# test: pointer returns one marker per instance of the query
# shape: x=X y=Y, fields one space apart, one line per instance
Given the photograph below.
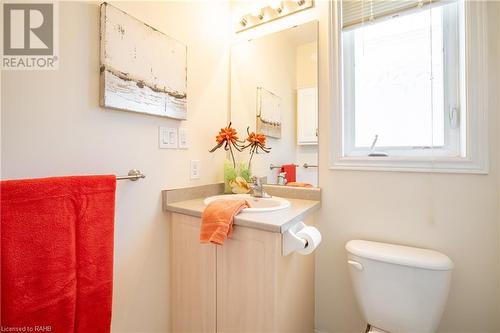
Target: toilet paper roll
x=312 y=237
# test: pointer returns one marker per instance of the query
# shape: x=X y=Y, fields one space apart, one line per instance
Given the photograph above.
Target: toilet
x=399 y=289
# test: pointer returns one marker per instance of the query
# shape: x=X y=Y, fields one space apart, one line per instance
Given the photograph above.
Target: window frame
x=474 y=150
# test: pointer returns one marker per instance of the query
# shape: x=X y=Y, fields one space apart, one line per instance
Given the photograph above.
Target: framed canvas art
x=141 y=69
x=268 y=113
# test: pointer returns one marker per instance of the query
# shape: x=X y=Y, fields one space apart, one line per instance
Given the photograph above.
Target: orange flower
x=227 y=134
x=228 y=138
x=257 y=141
x=256 y=138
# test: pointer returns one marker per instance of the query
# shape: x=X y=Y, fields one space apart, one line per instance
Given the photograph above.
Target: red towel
x=57 y=253
x=290 y=170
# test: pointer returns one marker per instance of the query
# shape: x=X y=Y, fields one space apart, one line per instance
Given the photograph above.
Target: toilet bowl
x=399 y=289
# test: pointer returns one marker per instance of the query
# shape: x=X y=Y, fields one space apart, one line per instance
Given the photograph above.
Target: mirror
x=274 y=92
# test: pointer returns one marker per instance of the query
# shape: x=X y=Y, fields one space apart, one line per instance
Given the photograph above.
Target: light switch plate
x=183 y=138
x=194 y=169
x=167 y=138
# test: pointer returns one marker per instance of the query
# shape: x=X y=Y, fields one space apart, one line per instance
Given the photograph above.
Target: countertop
x=275 y=221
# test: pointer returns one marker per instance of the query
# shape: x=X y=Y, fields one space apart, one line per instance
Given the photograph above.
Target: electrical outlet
x=167 y=138
x=194 y=169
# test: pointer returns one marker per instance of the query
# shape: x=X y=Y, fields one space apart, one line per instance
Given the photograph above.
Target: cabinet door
x=192 y=278
x=307 y=116
x=246 y=281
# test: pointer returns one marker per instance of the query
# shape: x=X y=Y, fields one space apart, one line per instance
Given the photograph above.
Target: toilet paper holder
x=292 y=242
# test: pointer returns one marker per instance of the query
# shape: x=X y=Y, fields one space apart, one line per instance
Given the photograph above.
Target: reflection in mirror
x=274 y=92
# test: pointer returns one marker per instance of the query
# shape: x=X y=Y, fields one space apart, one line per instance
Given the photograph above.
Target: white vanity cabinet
x=246 y=285
x=307 y=116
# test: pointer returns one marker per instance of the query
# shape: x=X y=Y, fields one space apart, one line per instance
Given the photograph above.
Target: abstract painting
x=268 y=113
x=142 y=69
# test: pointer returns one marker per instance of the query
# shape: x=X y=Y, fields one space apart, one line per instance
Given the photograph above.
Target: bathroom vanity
x=246 y=285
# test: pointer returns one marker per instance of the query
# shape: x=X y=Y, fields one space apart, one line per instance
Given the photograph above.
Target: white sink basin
x=256 y=204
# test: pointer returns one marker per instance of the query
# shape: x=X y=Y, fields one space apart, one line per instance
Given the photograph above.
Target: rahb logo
x=30 y=36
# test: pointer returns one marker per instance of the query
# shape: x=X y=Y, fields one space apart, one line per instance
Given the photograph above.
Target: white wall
x=52 y=125
x=307 y=65
x=455 y=214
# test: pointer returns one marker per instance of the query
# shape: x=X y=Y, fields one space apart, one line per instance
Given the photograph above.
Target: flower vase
x=236 y=179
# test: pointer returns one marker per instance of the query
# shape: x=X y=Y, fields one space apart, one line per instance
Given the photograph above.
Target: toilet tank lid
x=400 y=255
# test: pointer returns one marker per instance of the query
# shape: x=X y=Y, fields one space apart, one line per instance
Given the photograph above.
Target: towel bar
x=133 y=175
x=309 y=166
x=272 y=166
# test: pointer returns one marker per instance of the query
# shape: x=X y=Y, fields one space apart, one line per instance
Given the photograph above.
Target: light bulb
x=257 y=12
x=269 y=12
x=277 y=5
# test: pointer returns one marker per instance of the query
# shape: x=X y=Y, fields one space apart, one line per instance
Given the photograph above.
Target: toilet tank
x=398 y=288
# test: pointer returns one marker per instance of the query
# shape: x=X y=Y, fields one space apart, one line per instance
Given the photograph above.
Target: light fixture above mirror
x=271 y=12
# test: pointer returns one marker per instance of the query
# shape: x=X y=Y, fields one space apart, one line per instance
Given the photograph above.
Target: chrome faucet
x=257 y=188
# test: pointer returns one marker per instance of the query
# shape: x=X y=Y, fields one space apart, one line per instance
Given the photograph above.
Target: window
x=398 y=88
x=404 y=96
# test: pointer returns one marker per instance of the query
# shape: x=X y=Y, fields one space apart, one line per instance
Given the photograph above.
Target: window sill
x=407 y=164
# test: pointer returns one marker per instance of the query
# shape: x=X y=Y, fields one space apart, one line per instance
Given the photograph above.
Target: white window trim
x=476 y=94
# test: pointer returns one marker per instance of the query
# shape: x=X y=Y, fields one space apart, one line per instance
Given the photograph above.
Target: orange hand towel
x=298 y=184
x=217 y=220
